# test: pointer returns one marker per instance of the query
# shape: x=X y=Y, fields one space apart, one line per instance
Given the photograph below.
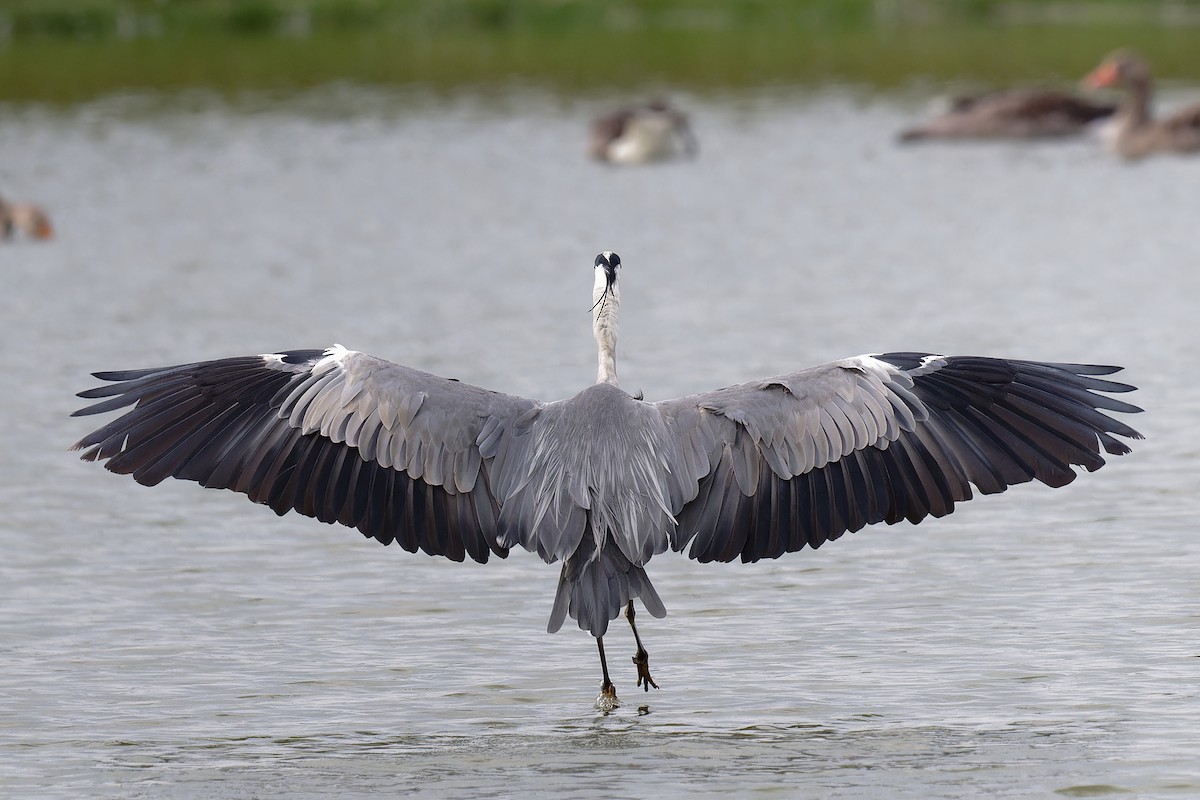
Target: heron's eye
x=599 y=260
x=615 y=261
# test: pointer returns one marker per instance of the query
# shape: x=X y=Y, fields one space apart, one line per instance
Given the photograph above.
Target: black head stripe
x=611 y=260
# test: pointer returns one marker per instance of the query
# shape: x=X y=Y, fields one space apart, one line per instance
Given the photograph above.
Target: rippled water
x=173 y=642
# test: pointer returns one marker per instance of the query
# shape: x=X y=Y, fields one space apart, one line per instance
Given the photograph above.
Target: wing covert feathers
x=801 y=459
x=603 y=481
x=334 y=434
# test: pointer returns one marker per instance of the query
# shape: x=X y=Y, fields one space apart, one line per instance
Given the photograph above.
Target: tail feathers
x=594 y=590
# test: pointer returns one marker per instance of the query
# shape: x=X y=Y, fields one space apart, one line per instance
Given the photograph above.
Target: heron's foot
x=607 y=701
x=642 y=660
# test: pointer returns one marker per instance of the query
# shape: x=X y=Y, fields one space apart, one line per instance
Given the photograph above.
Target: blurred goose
x=1135 y=132
x=641 y=134
x=1012 y=114
x=26 y=217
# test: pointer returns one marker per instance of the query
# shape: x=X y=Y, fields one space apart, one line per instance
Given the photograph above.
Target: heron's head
x=605 y=287
x=607 y=263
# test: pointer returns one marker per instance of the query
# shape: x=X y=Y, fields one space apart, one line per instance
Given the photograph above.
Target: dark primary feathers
x=603 y=481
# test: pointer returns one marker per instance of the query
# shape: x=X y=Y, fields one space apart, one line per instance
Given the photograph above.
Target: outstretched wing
x=801 y=459
x=334 y=434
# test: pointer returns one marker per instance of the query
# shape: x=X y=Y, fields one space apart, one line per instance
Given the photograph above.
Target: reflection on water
x=176 y=642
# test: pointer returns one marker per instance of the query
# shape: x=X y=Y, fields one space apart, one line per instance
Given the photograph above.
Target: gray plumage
x=603 y=481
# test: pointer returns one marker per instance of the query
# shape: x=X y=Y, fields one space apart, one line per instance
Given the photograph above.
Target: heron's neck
x=604 y=326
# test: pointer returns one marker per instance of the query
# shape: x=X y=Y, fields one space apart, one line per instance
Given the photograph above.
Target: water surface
x=174 y=642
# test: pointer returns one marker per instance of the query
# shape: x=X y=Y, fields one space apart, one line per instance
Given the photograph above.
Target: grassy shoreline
x=444 y=45
x=126 y=19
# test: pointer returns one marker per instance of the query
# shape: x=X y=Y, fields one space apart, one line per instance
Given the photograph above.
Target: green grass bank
x=64 y=51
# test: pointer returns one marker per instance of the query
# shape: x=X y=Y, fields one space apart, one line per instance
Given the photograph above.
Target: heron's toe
x=642 y=660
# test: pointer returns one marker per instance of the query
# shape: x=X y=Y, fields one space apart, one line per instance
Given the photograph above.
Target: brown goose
x=1012 y=114
x=1135 y=132
x=25 y=217
x=640 y=134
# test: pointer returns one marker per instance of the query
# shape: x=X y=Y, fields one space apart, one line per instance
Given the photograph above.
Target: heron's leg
x=608 y=692
x=641 y=658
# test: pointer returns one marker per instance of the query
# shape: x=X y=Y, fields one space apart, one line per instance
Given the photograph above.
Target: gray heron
x=1135 y=131
x=639 y=134
x=604 y=481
